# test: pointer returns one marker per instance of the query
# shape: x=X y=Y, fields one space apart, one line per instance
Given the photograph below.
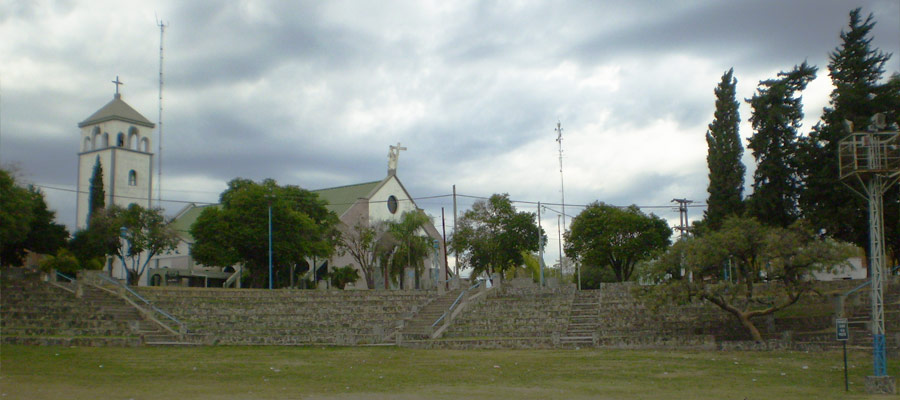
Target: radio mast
x=162 y=30
x=562 y=190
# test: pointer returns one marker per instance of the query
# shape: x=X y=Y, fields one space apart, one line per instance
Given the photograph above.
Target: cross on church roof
x=117 y=82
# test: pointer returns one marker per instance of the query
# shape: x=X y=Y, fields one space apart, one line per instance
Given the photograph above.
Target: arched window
x=87 y=143
x=105 y=141
x=133 y=138
x=95 y=139
x=120 y=140
x=145 y=145
x=132 y=178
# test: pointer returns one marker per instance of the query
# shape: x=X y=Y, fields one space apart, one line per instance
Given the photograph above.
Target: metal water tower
x=869 y=165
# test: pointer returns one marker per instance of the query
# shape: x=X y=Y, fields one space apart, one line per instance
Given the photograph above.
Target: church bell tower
x=119 y=137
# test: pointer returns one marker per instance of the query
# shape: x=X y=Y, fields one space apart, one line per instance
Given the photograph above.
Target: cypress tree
x=777 y=114
x=855 y=69
x=723 y=157
x=97 y=197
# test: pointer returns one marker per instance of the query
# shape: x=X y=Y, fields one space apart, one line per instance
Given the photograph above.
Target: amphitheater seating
x=35 y=312
x=288 y=317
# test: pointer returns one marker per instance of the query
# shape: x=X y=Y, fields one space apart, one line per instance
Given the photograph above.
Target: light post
x=269 y=197
x=123 y=233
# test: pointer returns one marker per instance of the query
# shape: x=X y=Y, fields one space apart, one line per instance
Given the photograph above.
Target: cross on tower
x=117 y=82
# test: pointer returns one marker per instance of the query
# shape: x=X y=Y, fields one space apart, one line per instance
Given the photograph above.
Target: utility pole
x=540 y=244
x=446 y=266
x=683 y=225
x=456 y=251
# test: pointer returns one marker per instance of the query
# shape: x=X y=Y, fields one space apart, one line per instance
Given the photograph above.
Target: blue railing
x=867 y=283
x=455 y=303
x=64 y=276
x=181 y=327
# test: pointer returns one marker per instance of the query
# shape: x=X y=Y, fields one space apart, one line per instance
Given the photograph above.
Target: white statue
x=393 y=155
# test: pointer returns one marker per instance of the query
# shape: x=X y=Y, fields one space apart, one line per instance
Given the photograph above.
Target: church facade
x=119 y=138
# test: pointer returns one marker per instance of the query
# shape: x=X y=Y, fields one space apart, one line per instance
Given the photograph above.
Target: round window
x=392 y=204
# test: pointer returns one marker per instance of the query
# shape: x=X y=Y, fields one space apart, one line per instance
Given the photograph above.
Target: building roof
x=185 y=218
x=118 y=110
x=341 y=198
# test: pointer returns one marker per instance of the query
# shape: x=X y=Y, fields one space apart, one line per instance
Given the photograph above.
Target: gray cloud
x=312 y=93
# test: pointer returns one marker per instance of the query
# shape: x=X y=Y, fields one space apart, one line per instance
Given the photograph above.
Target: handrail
x=452 y=306
x=866 y=283
x=147 y=302
x=66 y=277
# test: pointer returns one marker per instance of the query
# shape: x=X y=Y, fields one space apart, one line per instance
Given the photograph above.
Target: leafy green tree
x=26 y=223
x=100 y=239
x=605 y=236
x=97 y=196
x=771 y=268
x=856 y=70
x=777 y=114
x=237 y=230
x=408 y=246
x=343 y=276
x=145 y=234
x=531 y=267
x=726 y=171
x=492 y=236
x=63 y=261
x=365 y=242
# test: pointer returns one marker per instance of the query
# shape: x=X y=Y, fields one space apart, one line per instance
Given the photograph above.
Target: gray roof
x=117 y=110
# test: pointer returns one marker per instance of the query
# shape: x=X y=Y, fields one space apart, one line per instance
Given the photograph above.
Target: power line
x=439 y=196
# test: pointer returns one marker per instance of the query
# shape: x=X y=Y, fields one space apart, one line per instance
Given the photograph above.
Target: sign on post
x=843 y=331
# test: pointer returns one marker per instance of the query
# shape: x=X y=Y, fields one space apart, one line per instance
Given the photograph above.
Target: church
x=119 y=138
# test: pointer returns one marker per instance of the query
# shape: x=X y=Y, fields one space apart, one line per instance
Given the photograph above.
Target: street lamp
x=123 y=233
x=269 y=197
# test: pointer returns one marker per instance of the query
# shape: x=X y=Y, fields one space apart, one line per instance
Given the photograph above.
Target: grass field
x=388 y=373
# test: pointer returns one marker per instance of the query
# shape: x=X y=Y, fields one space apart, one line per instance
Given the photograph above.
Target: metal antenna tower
x=162 y=30
x=562 y=191
x=872 y=160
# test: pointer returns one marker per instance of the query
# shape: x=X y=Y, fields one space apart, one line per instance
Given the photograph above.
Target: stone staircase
x=420 y=326
x=510 y=317
x=584 y=319
x=36 y=312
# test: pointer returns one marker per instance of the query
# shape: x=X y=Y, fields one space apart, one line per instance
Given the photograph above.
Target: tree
x=408 y=247
x=145 y=234
x=606 y=236
x=777 y=114
x=856 y=70
x=236 y=231
x=492 y=236
x=771 y=268
x=723 y=157
x=343 y=276
x=63 y=261
x=97 y=196
x=365 y=243
x=26 y=223
x=100 y=239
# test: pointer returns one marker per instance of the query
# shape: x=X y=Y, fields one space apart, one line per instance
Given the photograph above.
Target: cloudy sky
x=313 y=93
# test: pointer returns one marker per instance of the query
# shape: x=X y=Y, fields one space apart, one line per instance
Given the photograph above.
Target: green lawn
x=387 y=372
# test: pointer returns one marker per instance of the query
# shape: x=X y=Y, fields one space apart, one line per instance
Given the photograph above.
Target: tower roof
x=118 y=110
